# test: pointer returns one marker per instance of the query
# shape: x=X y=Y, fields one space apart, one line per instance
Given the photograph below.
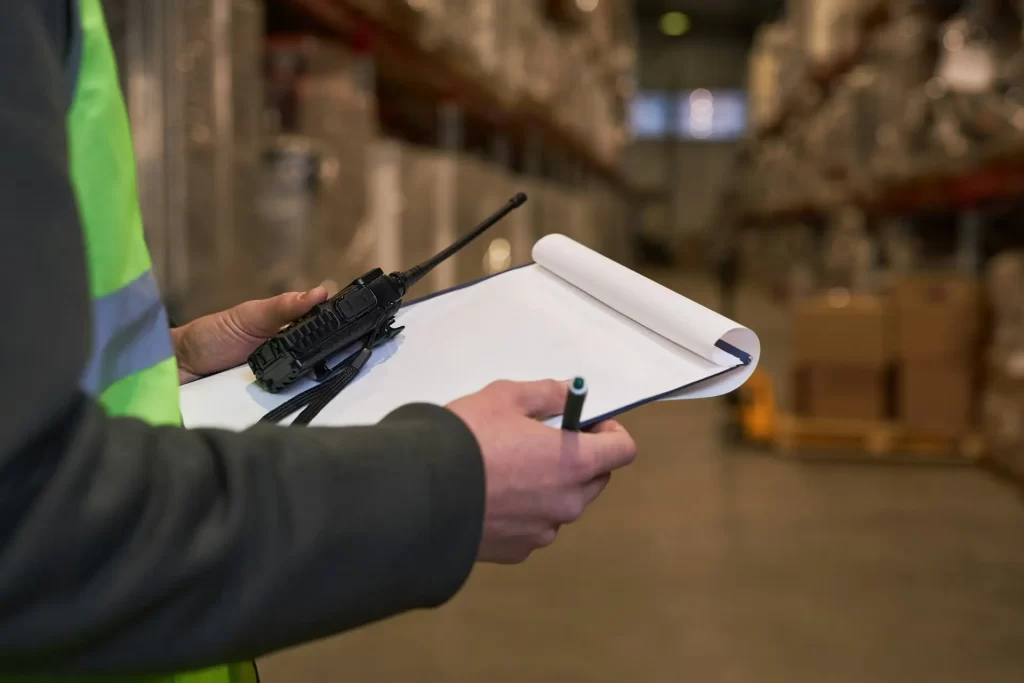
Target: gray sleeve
x=126 y=547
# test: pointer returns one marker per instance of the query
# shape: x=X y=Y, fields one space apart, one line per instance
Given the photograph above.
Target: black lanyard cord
x=314 y=400
x=309 y=395
x=331 y=388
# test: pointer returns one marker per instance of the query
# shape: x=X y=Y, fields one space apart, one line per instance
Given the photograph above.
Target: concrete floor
x=706 y=564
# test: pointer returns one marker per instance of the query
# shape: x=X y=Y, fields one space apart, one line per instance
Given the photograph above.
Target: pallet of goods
x=318 y=92
x=194 y=91
x=891 y=374
x=871 y=440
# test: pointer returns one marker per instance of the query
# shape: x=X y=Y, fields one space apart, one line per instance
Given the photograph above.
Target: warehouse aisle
x=731 y=567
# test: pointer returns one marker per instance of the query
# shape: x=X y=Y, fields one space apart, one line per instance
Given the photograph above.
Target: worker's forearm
x=127 y=547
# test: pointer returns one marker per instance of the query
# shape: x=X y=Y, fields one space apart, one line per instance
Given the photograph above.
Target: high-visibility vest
x=132 y=369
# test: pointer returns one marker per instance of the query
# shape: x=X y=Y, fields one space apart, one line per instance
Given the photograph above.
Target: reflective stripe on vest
x=129 y=334
x=132 y=370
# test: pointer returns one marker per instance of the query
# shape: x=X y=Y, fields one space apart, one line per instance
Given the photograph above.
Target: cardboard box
x=937 y=399
x=840 y=328
x=939 y=317
x=848 y=392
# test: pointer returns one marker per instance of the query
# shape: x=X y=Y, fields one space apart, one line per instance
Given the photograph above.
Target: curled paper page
x=654 y=306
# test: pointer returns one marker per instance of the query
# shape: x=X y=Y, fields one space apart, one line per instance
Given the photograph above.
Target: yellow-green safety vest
x=132 y=369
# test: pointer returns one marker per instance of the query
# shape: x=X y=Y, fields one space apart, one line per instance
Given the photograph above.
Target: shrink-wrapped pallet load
x=194 y=90
x=774 y=68
x=317 y=89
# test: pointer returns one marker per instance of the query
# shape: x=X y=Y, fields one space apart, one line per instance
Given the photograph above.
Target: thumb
x=285 y=308
x=265 y=318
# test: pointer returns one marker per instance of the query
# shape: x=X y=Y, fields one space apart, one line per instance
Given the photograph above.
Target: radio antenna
x=410 y=277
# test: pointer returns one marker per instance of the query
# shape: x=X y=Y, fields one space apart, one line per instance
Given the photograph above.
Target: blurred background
x=845 y=177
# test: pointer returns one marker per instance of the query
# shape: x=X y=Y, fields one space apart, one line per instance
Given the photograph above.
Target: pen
x=574 y=405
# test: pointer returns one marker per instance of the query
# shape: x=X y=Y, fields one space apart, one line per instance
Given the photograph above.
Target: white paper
x=654 y=306
x=525 y=324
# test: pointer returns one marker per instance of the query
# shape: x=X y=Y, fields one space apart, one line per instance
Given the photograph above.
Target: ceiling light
x=674 y=23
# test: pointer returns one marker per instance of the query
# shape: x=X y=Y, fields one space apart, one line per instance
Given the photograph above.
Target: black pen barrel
x=574 y=401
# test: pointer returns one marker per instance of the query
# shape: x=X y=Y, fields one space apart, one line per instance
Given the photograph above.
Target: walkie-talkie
x=364 y=311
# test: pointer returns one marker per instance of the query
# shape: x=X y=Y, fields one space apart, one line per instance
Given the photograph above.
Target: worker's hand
x=538 y=477
x=224 y=340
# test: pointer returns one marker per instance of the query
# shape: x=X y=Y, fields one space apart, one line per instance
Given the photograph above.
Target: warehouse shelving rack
x=432 y=94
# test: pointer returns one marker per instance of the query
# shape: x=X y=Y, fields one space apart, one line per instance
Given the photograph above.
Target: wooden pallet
x=870 y=440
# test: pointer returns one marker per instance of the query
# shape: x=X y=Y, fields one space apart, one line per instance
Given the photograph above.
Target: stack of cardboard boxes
x=938 y=319
x=909 y=357
x=843 y=352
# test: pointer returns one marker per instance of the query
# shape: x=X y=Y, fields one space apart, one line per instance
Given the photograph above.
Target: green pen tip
x=577 y=383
